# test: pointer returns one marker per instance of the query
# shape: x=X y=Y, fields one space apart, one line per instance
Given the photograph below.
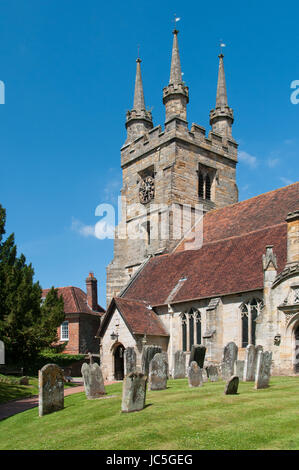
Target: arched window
x=249 y=314
x=198 y=327
x=184 y=331
x=200 y=185
x=191 y=329
x=208 y=187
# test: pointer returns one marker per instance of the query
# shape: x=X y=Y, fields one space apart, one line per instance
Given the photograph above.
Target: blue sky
x=69 y=69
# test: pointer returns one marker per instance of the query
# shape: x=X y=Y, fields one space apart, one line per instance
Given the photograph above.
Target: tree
x=26 y=325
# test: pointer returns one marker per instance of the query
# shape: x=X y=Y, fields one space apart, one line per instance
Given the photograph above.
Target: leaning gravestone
x=158 y=372
x=93 y=380
x=148 y=353
x=134 y=392
x=249 y=363
x=198 y=352
x=230 y=355
x=194 y=375
x=263 y=369
x=212 y=372
x=2 y=353
x=51 y=389
x=129 y=360
x=231 y=387
x=179 y=367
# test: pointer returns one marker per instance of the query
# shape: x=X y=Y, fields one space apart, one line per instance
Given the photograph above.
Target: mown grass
x=12 y=391
x=177 y=418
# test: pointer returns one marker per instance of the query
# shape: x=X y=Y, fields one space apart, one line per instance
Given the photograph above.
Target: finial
x=222 y=45
x=138 y=53
x=176 y=19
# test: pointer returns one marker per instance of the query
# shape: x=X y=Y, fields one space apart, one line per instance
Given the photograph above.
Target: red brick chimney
x=92 y=291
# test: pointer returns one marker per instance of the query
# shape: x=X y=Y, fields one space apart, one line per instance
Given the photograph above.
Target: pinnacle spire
x=175 y=69
x=221 y=97
x=222 y=117
x=139 y=104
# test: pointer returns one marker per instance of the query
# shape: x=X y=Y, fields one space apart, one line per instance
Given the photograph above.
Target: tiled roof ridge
x=75 y=298
x=251 y=198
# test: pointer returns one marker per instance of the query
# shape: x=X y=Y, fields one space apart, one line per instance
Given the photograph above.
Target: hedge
x=62 y=360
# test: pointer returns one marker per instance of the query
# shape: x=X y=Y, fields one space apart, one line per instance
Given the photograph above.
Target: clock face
x=147 y=190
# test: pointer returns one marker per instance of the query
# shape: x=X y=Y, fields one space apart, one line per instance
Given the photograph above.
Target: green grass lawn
x=12 y=391
x=177 y=418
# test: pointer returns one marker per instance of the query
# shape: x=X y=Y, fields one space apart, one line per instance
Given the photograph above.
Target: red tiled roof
x=75 y=300
x=248 y=216
x=230 y=260
x=220 y=268
x=137 y=315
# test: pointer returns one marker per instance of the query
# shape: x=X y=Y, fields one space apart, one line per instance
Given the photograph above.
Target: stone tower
x=165 y=170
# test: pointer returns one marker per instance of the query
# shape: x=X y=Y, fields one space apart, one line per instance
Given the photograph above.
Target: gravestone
x=148 y=353
x=204 y=374
x=239 y=369
x=194 y=375
x=134 y=392
x=249 y=371
x=51 y=389
x=158 y=372
x=179 y=365
x=257 y=349
x=129 y=360
x=93 y=380
x=263 y=369
x=198 y=352
x=212 y=372
x=231 y=387
x=2 y=353
x=230 y=355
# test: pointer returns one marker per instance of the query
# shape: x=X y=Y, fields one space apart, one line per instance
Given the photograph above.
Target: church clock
x=147 y=190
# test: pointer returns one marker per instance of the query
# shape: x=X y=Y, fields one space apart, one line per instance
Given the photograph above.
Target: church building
x=234 y=276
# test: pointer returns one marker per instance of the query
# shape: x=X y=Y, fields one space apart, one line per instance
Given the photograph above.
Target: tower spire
x=139 y=104
x=175 y=68
x=222 y=117
x=138 y=120
x=176 y=93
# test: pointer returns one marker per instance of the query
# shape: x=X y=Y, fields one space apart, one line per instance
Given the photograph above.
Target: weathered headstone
x=231 y=387
x=249 y=371
x=212 y=372
x=257 y=350
x=130 y=360
x=134 y=392
x=198 y=352
x=263 y=369
x=158 y=372
x=93 y=380
x=230 y=355
x=179 y=365
x=239 y=369
x=148 y=353
x=194 y=375
x=2 y=353
x=225 y=371
x=51 y=389
x=204 y=374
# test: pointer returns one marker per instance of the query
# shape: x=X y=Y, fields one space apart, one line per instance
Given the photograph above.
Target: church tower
x=166 y=170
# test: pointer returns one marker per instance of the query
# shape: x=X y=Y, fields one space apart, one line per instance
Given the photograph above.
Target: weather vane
x=176 y=19
x=222 y=45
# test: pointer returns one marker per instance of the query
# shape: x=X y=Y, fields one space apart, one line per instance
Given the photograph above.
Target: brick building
x=82 y=318
x=239 y=283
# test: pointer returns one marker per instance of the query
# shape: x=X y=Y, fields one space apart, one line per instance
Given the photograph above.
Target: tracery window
x=191 y=328
x=205 y=180
x=249 y=314
x=184 y=331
